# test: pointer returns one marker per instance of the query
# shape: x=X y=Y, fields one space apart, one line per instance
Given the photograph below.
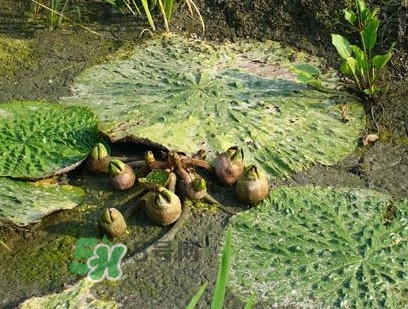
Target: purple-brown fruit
x=163 y=207
x=252 y=187
x=195 y=186
x=98 y=160
x=229 y=165
x=112 y=222
x=121 y=175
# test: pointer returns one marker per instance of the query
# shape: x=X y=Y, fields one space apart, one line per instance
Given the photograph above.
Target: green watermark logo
x=98 y=260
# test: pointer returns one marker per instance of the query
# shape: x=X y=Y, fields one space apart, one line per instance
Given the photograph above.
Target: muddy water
x=55 y=59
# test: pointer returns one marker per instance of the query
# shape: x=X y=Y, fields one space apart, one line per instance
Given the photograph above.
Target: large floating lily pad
x=323 y=248
x=23 y=202
x=76 y=296
x=39 y=139
x=188 y=95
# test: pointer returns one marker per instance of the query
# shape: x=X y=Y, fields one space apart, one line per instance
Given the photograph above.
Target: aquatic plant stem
x=209 y=199
x=137 y=191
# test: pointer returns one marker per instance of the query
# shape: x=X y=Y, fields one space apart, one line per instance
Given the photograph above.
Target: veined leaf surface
x=76 y=296
x=24 y=202
x=188 y=95
x=323 y=248
x=38 y=139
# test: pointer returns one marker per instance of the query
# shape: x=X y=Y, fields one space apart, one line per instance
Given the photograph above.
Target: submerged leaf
x=39 y=139
x=79 y=295
x=23 y=202
x=306 y=69
x=322 y=248
x=187 y=95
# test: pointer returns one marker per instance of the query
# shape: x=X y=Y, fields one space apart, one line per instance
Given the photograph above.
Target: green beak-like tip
x=116 y=167
x=251 y=172
x=163 y=197
x=99 y=152
x=235 y=153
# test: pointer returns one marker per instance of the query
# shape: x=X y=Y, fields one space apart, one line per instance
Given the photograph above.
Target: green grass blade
x=222 y=278
x=168 y=8
x=251 y=302
x=197 y=296
x=163 y=12
x=148 y=14
x=2 y=243
x=191 y=5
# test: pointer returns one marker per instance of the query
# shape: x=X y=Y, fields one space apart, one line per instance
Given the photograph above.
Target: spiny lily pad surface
x=39 y=139
x=187 y=94
x=23 y=202
x=323 y=248
x=76 y=296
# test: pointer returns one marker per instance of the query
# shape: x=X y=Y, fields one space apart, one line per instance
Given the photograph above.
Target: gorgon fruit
x=252 y=187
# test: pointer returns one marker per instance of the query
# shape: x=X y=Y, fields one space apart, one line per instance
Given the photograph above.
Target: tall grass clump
x=146 y=8
x=55 y=10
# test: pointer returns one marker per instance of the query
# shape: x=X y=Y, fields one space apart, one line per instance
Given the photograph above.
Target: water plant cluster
x=159 y=178
x=326 y=247
x=214 y=97
x=358 y=61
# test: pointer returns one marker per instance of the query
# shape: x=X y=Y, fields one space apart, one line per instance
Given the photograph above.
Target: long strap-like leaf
x=222 y=278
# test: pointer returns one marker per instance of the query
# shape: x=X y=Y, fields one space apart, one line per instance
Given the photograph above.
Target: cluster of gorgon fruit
x=161 y=177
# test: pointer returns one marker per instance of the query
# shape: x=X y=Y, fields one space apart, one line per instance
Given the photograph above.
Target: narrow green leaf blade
x=223 y=270
x=251 y=302
x=168 y=8
x=194 y=300
x=2 y=243
x=148 y=14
